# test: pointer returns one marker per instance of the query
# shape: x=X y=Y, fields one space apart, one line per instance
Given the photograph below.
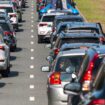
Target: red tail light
x=98 y=102
x=56 y=51
x=7 y=33
x=2 y=48
x=53 y=29
x=101 y=39
x=44 y=24
x=54 y=79
x=88 y=73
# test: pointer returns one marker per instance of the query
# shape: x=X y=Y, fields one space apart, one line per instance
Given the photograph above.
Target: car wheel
x=6 y=72
x=39 y=39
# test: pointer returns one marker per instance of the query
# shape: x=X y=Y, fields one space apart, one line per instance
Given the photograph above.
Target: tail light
x=7 y=33
x=44 y=24
x=56 y=51
x=101 y=39
x=88 y=75
x=54 y=78
x=97 y=102
x=2 y=48
x=53 y=29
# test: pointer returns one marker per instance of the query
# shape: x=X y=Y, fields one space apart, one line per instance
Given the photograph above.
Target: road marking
x=32 y=42
x=32 y=25
x=32 y=86
x=32 y=21
x=31 y=98
x=31 y=66
x=32 y=17
x=32 y=58
x=32 y=50
x=32 y=36
x=31 y=76
x=32 y=30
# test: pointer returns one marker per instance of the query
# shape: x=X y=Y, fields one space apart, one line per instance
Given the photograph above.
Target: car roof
x=69 y=16
x=79 y=24
x=72 y=52
x=49 y=14
x=76 y=35
x=77 y=45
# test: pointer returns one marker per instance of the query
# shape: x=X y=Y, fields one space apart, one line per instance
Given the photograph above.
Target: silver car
x=66 y=63
x=4 y=57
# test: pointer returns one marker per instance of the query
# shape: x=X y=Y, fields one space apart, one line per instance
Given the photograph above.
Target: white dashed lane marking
x=31 y=98
x=32 y=50
x=32 y=58
x=31 y=86
x=31 y=42
x=31 y=66
x=31 y=76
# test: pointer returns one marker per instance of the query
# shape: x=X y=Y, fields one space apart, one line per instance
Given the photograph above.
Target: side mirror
x=48 y=46
x=72 y=88
x=49 y=58
x=45 y=69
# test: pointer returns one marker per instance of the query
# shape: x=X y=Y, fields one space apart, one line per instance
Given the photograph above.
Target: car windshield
x=67 y=63
x=5 y=26
x=48 y=18
x=8 y=9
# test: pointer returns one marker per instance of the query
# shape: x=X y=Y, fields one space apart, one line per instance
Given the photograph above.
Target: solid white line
x=31 y=76
x=31 y=98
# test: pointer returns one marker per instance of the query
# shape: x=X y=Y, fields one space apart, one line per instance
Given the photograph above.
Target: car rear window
x=8 y=9
x=69 y=20
x=48 y=18
x=77 y=40
x=67 y=63
x=5 y=26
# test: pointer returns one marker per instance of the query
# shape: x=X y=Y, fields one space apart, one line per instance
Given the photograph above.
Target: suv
x=70 y=38
x=45 y=26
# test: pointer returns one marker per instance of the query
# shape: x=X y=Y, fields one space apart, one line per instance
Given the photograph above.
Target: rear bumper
x=56 y=96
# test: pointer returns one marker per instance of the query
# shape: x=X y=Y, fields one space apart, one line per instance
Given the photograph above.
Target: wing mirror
x=45 y=69
x=72 y=88
x=49 y=59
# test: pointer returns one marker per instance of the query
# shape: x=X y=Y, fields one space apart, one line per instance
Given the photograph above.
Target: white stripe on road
x=32 y=58
x=32 y=50
x=31 y=76
x=31 y=66
x=31 y=86
x=31 y=98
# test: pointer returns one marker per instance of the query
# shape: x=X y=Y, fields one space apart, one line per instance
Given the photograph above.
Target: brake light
x=88 y=75
x=53 y=29
x=101 y=39
x=7 y=33
x=44 y=24
x=56 y=51
x=98 y=102
x=54 y=78
x=2 y=48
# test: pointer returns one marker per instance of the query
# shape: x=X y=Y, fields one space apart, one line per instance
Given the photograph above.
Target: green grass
x=93 y=10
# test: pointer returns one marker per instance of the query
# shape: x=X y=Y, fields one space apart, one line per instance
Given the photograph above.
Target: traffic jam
x=76 y=61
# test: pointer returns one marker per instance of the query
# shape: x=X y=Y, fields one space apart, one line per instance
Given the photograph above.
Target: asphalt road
x=26 y=84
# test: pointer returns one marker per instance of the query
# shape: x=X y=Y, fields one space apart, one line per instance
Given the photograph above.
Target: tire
x=6 y=73
x=39 y=39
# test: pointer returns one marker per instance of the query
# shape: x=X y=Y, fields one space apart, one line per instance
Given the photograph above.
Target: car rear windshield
x=77 y=40
x=67 y=63
x=69 y=20
x=8 y=9
x=48 y=18
x=5 y=26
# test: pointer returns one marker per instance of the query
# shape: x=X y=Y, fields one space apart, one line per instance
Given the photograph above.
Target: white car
x=4 y=56
x=11 y=13
x=45 y=26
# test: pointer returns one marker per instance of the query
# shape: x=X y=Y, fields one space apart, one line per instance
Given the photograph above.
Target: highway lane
x=26 y=84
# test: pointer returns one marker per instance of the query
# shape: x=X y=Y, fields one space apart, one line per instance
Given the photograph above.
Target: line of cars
x=76 y=59
x=10 y=16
